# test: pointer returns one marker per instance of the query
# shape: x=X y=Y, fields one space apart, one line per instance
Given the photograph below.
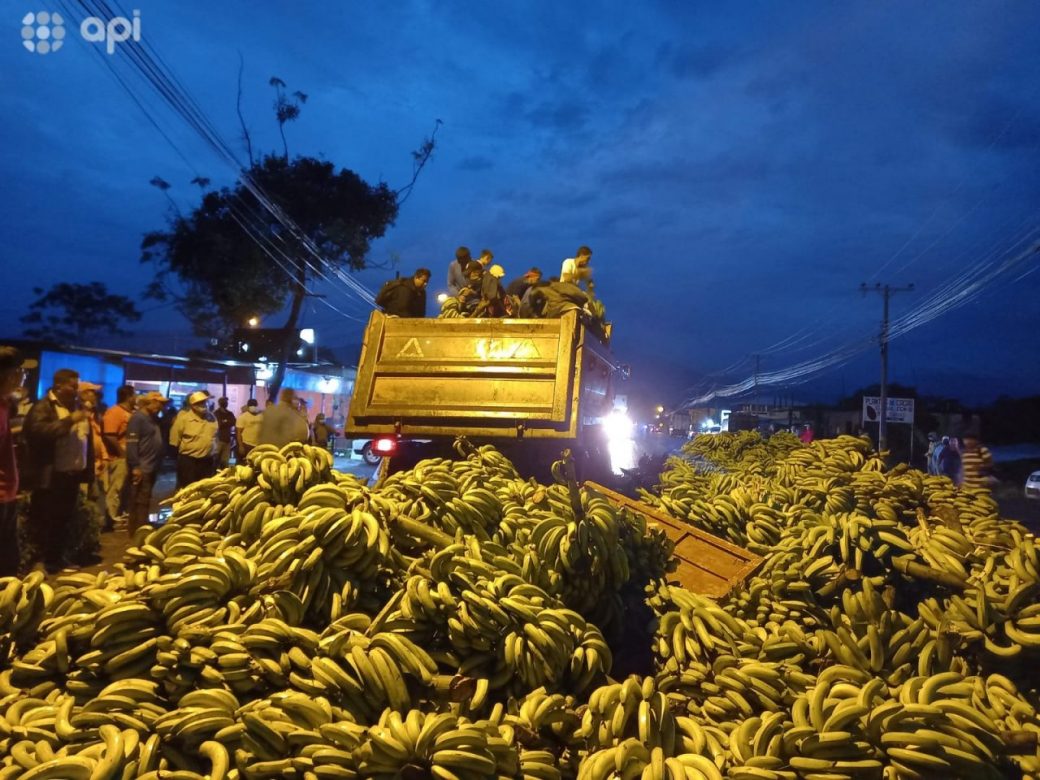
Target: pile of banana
x=291 y=621
x=456 y=621
x=893 y=623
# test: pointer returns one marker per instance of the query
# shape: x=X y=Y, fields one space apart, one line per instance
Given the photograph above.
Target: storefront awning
x=152 y=372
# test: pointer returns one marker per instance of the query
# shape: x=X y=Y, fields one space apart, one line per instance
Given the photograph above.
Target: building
x=325 y=388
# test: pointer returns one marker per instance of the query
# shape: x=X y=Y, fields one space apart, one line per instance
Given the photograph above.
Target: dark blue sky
x=738 y=170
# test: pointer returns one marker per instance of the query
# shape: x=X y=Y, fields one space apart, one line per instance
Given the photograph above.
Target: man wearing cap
x=12 y=375
x=225 y=432
x=113 y=427
x=492 y=296
x=59 y=459
x=194 y=435
x=519 y=286
x=144 y=454
x=405 y=297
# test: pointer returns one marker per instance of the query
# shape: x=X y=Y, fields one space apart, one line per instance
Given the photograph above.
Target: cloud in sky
x=738 y=170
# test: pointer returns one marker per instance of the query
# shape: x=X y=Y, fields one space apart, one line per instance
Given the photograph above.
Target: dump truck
x=531 y=387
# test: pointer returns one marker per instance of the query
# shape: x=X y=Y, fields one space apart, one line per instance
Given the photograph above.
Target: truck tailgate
x=478 y=377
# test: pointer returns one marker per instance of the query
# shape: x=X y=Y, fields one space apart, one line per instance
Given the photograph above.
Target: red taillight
x=384 y=446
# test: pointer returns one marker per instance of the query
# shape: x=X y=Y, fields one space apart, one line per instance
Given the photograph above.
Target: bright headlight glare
x=618 y=426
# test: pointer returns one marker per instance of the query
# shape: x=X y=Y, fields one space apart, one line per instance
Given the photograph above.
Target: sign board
x=900 y=410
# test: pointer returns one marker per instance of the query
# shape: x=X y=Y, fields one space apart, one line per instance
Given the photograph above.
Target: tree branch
x=238 y=108
x=419 y=159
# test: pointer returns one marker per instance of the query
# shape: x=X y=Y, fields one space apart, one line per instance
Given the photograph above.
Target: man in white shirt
x=576 y=269
x=247 y=428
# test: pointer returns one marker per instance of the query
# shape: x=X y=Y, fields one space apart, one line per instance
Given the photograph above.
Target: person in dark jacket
x=144 y=455
x=562 y=297
x=60 y=459
x=493 y=301
x=405 y=297
x=519 y=286
x=12 y=374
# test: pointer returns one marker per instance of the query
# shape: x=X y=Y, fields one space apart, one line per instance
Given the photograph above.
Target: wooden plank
x=706 y=563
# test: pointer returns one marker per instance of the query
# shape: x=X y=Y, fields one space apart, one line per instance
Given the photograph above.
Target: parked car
x=1033 y=485
x=363 y=447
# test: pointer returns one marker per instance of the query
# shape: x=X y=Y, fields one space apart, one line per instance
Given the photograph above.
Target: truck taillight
x=384 y=447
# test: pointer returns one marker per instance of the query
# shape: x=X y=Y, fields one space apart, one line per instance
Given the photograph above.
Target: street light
x=442 y=297
x=253 y=322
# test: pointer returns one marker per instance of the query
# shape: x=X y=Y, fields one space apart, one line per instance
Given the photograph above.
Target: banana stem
x=456 y=687
x=922 y=572
x=426 y=533
x=1019 y=742
x=572 y=486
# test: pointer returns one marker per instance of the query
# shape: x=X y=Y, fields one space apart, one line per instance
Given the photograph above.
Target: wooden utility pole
x=886 y=291
x=755 y=408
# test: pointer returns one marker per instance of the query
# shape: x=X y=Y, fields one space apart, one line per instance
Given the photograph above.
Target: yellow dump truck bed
x=484 y=378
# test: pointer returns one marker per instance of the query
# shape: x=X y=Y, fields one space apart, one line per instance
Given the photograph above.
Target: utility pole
x=887 y=291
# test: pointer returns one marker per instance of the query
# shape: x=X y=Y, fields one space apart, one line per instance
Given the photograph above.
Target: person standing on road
x=194 y=434
x=457 y=271
x=282 y=423
x=58 y=462
x=931 y=455
x=976 y=463
x=144 y=455
x=247 y=428
x=113 y=426
x=948 y=461
x=94 y=490
x=323 y=433
x=806 y=436
x=225 y=432
x=12 y=375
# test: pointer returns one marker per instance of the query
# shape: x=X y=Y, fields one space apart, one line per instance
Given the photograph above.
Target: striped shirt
x=976 y=465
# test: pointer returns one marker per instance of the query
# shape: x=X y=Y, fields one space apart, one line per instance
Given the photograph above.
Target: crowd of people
x=475 y=288
x=71 y=456
x=965 y=460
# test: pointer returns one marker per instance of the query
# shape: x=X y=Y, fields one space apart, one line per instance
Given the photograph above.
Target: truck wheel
x=370 y=457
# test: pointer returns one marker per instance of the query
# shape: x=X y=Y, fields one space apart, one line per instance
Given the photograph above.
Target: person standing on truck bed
x=493 y=300
x=486 y=256
x=576 y=269
x=457 y=271
x=470 y=294
x=519 y=286
x=405 y=297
